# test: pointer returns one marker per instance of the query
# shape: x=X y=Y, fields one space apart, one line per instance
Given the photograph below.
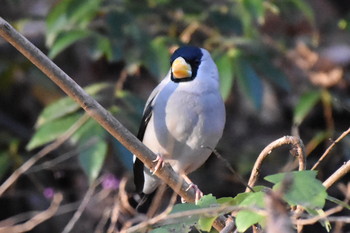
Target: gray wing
x=138 y=168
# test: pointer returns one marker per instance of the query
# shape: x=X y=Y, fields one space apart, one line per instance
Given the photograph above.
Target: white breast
x=184 y=124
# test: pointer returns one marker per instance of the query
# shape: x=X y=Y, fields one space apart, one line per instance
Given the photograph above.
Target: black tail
x=145 y=202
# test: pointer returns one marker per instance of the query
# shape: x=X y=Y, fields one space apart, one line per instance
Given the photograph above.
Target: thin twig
x=114 y=216
x=81 y=208
x=123 y=197
x=101 y=224
x=228 y=166
x=312 y=220
x=30 y=162
x=342 y=171
x=120 y=203
x=343 y=219
x=157 y=200
x=229 y=225
x=295 y=141
x=343 y=135
x=37 y=219
x=155 y=219
x=61 y=158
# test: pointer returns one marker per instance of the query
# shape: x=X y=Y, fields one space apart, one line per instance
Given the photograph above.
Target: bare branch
x=37 y=219
x=295 y=141
x=342 y=219
x=81 y=208
x=342 y=171
x=278 y=219
x=312 y=220
x=230 y=225
x=30 y=162
x=343 y=135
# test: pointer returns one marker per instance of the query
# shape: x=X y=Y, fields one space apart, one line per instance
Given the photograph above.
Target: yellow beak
x=181 y=69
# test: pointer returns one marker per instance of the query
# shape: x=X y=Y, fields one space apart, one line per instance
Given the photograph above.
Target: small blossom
x=49 y=192
x=109 y=181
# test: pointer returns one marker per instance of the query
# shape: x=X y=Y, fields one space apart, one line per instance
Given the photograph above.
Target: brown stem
x=295 y=141
x=342 y=171
x=343 y=135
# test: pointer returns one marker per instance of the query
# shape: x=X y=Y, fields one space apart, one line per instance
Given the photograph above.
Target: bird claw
x=198 y=193
x=160 y=163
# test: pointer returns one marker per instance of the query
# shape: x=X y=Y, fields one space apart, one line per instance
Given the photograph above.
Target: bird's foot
x=198 y=193
x=160 y=163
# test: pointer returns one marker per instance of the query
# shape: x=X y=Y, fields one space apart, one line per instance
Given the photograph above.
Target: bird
x=183 y=119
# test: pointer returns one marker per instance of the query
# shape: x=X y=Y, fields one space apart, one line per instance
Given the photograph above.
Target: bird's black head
x=184 y=63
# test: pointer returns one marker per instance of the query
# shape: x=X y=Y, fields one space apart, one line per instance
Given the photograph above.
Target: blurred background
x=284 y=64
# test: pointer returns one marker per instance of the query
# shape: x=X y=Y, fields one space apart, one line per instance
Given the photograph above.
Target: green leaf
x=306 y=9
x=305 y=190
x=224 y=64
x=256 y=9
x=205 y=223
x=52 y=130
x=226 y=201
x=56 y=110
x=66 y=105
x=239 y=198
x=324 y=222
x=249 y=81
x=56 y=21
x=65 y=39
x=178 y=228
x=306 y=103
x=184 y=207
x=187 y=222
x=272 y=73
x=92 y=158
x=87 y=131
x=247 y=218
x=338 y=202
x=4 y=163
x=160 y=230
x=102 y=46
x=207 y=201
x=68 y=15
x=92 y=147
x=157 y=61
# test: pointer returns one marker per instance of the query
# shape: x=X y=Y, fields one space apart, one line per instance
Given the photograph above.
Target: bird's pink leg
x=160 y=163
x=198 y=192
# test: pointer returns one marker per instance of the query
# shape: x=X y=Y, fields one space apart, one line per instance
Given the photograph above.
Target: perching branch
x=96 y=111
x=297 y=144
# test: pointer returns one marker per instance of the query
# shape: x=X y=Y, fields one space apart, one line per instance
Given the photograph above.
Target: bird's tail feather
x=145 y=202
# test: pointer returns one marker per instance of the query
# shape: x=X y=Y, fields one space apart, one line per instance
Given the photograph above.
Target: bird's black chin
x=180 y=80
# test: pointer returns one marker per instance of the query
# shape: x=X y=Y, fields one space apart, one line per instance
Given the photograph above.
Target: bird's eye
x=197 y=62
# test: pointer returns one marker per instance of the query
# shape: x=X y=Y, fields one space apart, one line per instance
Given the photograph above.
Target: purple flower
x=109 y=181
x=49 y=192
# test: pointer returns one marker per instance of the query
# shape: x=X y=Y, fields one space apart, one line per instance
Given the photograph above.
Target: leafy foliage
x=305 y=190
x=306 y=103
x=90 y=138
x=142 y=32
